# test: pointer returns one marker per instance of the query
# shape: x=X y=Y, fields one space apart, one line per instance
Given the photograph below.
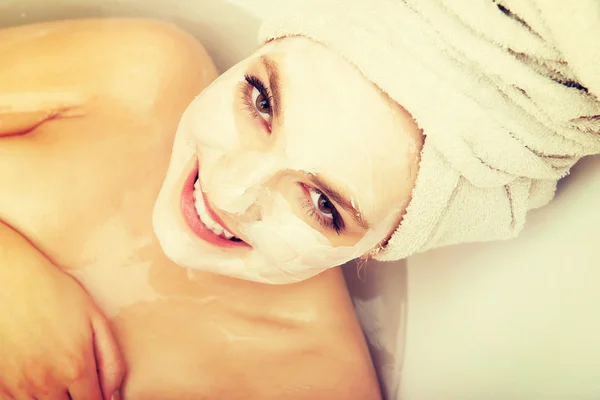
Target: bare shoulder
x=338 y=365
x=350 y=371
x=348 y=381
x=130 y=61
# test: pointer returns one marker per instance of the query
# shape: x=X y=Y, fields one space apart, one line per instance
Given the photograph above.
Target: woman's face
x=288 y=164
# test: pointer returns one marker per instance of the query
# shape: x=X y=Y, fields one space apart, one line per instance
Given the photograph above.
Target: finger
x=56 y=395
x=4 y=392
x=19 y=396
x=109 y=361
x=87 y=386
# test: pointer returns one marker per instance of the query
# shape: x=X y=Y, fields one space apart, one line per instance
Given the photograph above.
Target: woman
x=90 y=109
x=506 y=104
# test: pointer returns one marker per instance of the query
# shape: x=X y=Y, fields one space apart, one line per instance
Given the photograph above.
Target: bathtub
x=511 y=320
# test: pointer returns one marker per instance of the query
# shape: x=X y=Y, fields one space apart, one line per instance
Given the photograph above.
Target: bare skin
x=83 y=153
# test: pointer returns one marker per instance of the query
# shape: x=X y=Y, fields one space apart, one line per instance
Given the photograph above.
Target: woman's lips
x=193 y=220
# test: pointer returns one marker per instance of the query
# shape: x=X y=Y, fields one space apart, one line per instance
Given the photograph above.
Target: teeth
x=205 y=217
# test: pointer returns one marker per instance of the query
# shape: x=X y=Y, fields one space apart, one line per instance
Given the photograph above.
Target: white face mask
x=261 y=172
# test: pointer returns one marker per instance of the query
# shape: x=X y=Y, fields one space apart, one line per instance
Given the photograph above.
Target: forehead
x=338 y=124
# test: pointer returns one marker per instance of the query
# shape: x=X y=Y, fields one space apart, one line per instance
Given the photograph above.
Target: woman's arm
x=54 y=342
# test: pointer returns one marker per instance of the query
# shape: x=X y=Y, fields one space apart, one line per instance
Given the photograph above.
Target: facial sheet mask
x=249 y=176
x=285 y=248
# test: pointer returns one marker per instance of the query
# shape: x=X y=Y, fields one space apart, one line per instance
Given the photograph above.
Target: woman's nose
x=240 y=179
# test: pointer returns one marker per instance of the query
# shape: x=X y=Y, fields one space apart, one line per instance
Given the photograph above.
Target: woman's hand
x=54 y=341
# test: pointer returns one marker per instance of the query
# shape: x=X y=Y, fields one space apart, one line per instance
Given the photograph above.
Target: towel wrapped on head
x=506 y=93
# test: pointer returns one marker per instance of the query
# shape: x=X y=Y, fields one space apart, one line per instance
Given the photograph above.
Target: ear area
x=21 y=113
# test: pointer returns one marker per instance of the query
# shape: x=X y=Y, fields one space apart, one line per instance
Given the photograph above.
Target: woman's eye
x=261 y=104
x=322 y=204
x=318 y=207
x=257 y=99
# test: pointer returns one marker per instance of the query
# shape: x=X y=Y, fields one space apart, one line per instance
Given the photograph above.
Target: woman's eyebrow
x=273 y=74
x=337 y=197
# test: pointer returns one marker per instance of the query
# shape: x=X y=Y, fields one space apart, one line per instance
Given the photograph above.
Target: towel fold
x=506 y=93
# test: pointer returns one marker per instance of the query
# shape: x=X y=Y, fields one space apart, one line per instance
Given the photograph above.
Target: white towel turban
x=505 y=92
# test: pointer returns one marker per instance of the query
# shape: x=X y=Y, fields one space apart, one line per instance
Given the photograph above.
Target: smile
x=200 y=216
